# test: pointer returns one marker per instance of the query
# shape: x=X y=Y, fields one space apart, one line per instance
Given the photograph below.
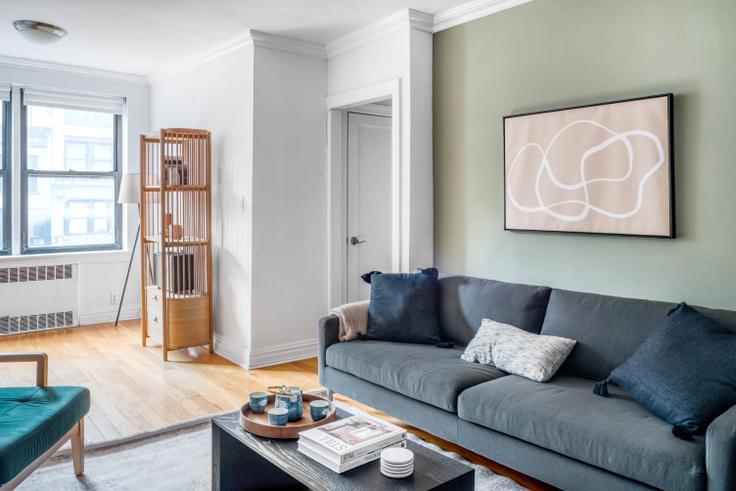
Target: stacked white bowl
x=397 y=462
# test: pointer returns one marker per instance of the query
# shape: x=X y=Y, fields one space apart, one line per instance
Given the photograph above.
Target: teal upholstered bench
x=36 y=421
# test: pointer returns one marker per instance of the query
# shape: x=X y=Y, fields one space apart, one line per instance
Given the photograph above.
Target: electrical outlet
x=242 y=203
x=113 y=299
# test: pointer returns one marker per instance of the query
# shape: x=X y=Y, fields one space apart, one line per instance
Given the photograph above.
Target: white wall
x=265 y=108
x=420 y=250
x=216 y=93
x=289 y=196
x=100 y=273
x=399 y=47
x=264 y=99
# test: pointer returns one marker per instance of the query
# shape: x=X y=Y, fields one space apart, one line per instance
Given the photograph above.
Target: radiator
x=37 y=298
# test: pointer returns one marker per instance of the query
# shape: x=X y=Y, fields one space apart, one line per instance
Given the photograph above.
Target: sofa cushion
x=32 y=419
x=403 y=307
x=432 y=375
x=563 y=415
x=465 y=301
x=684 y=372
x=608 y=329
x=533 y=356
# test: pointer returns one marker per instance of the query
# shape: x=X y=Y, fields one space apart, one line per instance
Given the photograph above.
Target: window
x=70 y=169
x=87 y=155
x=5 y=177
x=92 y=217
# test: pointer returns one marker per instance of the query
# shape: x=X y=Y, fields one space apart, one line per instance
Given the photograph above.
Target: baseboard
x=98 y=316
x=282 y=353
x=264 y=357
x=231 y=350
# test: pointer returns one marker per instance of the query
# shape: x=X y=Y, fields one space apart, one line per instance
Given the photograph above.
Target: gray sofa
x=558 y=432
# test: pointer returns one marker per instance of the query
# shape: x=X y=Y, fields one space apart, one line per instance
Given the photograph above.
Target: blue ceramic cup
x=258 y=402
x=278 y=416
x=318 y=409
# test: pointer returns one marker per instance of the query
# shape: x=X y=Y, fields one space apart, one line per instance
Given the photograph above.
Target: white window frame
x=19 y=174
x=6 y=171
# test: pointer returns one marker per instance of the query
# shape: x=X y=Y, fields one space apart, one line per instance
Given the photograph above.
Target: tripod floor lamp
x=130 y=193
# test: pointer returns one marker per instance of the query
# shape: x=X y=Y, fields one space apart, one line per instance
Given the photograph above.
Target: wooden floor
x=134 y=391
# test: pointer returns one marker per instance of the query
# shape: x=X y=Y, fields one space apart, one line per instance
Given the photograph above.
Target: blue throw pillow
x=684 y=372
x=403 y=307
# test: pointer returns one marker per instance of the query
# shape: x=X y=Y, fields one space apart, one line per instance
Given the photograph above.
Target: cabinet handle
x=155 y=318
x=155 y=297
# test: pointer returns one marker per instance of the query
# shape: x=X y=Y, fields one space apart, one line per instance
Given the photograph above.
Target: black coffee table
x=243 y=461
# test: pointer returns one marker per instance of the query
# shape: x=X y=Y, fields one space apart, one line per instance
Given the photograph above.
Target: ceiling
x=143 y=36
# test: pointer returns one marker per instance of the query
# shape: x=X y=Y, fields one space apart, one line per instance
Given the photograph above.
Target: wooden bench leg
x=78 y=448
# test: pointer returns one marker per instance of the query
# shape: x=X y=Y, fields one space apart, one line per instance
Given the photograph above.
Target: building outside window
x=71 y=163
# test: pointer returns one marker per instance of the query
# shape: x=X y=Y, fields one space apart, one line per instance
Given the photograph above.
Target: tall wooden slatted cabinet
x=176 y=255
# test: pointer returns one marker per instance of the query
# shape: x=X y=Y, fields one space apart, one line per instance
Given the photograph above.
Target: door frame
x=337 y=241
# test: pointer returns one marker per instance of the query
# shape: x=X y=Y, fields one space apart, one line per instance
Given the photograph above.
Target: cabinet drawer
x=153 y=298
x=154 y=313
x=155 y=330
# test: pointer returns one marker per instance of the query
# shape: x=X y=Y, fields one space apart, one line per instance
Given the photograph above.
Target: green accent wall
x=555 y=53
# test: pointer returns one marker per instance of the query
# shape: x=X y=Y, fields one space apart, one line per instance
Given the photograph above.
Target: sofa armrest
x=41 y=360
x=720 y=452
x=329 y=329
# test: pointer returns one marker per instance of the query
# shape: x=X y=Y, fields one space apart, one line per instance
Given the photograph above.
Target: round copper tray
x=258 y=423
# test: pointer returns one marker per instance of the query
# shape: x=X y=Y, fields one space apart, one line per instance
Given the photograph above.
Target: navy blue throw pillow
x=403 y=307
x=684 y=372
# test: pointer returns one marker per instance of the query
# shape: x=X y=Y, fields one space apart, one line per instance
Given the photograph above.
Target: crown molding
x=242 y=40
x=471 y=11
x=247 y=38
x=290 y=45
x=421 y=20
x=408 y=18
x=75 y=70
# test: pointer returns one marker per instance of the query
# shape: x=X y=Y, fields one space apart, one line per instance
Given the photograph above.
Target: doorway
x=376 y=116
x=368 y=195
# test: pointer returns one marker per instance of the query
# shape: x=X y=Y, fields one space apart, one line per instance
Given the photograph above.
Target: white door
x=369 y=200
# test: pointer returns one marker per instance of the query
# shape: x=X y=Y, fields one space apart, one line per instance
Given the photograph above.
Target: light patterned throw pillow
x=518 y=352
x=479 y=348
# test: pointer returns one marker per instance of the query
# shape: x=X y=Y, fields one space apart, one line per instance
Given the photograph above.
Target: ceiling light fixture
x=39 y=32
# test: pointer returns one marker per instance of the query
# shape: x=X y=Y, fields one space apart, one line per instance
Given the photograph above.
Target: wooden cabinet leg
x=78 y=448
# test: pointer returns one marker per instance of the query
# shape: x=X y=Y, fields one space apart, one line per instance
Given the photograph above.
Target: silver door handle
x=356 y=241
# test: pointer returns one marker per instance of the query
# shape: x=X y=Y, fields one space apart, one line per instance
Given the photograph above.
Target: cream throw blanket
x=353 y=319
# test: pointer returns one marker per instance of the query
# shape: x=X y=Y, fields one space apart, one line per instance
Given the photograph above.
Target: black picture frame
x=671 y=146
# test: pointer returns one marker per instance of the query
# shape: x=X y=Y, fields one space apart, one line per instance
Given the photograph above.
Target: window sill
x=114 y=256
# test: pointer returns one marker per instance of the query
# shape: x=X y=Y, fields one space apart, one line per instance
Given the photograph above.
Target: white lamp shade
x=130 y=189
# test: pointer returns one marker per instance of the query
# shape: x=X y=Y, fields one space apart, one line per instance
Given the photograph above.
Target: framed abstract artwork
x=599 y=169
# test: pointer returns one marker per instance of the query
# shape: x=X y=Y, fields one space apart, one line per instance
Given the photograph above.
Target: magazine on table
x=353 y=437
x=317 y=455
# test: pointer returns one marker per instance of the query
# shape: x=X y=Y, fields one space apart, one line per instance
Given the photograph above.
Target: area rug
x=176 y=458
